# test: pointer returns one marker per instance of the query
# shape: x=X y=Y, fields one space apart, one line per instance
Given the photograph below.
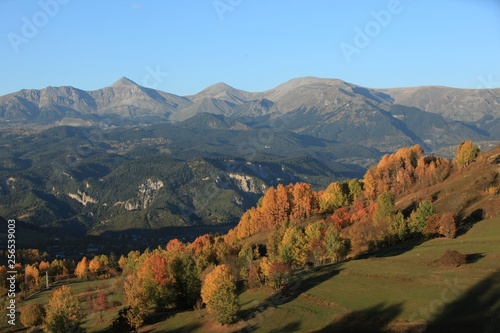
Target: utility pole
x=46 y=279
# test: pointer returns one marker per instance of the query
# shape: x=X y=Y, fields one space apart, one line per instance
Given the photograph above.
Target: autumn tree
x=122 y=262
x=175 y=246
x=432 y=225
x=32 y=277
x=94 y=266
x=219 y=294
x=314 y=237
x=447 y=225
x=82 y=269
x=361 y=235
x=44 y=266
x=100 y=304
x=275 y=272
x=305 y=201
x=137 y=300
x=32 y=315
x=466 y=154
x=156 y=275
x=64 y=312
x=56 y=267
x=132 y=262
x=203 y=251
x=254 y=276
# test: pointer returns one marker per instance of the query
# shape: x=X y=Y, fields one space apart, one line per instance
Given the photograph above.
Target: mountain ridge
x=327 y=108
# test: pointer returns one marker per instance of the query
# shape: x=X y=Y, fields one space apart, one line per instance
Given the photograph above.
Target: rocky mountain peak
x=123 y=81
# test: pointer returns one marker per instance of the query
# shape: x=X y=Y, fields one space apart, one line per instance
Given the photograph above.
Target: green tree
x=335 y=247
x=64 y=312
x=187 y=281
x=219 y=294
x=245 y=256
x=466 y=154
x=292 y=250
x=418 y=218
x=336 y=195
x=355 y=189
x=397 y=229
x=315 y=241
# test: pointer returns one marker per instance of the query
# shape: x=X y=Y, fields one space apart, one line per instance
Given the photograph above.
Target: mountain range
x=130 y=157
x=386 y=119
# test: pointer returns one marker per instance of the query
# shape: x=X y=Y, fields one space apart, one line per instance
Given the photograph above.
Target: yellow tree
x=64 y=312
x=137 y=299
x=32 y=277
x=82 y=268
x=336 y=195
x=94 y=265
x=466 y=154
x=293 y=250
x=219 y=294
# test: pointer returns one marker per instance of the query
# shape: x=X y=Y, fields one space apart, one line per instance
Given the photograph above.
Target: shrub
x=452 y=258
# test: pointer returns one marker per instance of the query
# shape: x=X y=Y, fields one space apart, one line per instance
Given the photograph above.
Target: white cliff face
x=247 y=183
x=146 y=194
x=82 y=197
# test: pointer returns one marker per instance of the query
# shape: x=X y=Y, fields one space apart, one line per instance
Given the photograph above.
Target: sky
x=183 y=46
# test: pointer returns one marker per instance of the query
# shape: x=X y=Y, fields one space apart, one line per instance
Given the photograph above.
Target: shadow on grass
x=392 y=251
x=476 y=310
x=298 y=284
x=188 y=328
x=474 y=257
x=374 y=319
x=467 y=222
x=291 y=327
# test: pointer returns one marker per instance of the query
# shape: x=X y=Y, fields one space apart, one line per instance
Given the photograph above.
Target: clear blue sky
x=249 y=44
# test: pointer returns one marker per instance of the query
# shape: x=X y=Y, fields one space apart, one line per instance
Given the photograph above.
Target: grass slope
x=400 y=289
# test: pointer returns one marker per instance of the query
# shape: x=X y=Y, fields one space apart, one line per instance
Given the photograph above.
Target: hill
x=397 y=290
x=177 y=175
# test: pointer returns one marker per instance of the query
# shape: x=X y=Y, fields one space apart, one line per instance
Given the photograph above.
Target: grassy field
x=92 y=321
x=400 y=289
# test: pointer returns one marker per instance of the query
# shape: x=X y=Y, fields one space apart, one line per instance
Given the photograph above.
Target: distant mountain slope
x=469 y=105
x=204 y=171
x=435 y=117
